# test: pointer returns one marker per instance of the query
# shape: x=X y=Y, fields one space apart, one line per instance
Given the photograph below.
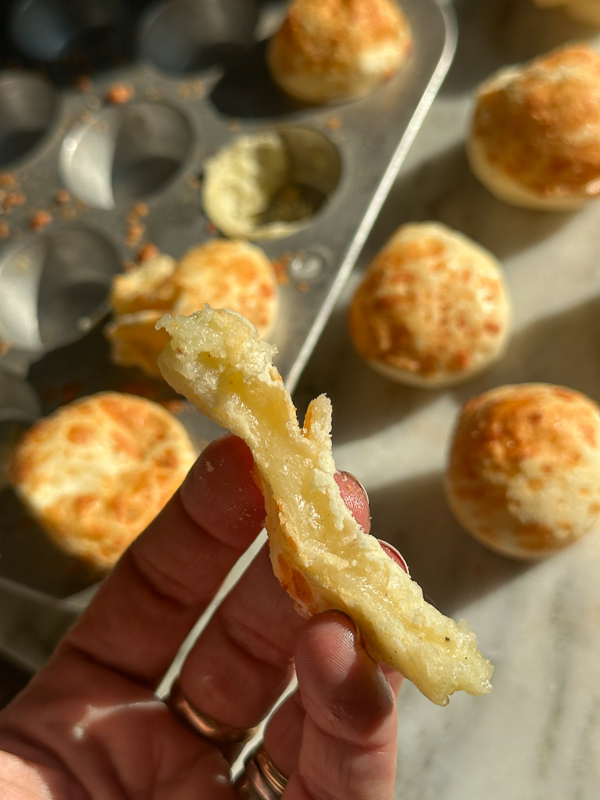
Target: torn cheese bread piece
x=319 y=552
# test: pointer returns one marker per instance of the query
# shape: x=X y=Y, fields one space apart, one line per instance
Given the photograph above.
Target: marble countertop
x=537 y=735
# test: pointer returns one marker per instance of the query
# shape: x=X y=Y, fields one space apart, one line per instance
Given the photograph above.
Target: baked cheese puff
x=222 y=273
x=523 y=475
x=328 y=51
x=432 y=309
x=535 y=134
x=97 y=471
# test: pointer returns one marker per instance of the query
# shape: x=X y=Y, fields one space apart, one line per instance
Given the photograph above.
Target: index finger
x=167 y=578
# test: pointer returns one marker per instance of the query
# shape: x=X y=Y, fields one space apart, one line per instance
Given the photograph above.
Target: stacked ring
x=223 y=735
x=261 y=778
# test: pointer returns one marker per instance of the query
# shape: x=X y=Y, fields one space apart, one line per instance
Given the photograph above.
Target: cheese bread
x=535 y=133
x=432 y=309
x=327 y=51
x=524 y=470
x=222 y=273
x=97 y=471
x=318 y=551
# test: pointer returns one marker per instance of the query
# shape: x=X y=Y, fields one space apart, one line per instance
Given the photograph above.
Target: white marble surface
x=537 y=735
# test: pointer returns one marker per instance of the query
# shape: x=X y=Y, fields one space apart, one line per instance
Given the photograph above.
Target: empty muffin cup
x=270 y=184
x=182 y=36
x=54 y=288
x=54 y=30
x=125 y=153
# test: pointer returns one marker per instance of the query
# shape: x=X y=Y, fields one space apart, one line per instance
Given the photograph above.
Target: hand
x=89 y=726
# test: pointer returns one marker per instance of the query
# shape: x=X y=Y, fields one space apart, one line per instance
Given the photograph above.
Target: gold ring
x=261 y=778
x=219 y=732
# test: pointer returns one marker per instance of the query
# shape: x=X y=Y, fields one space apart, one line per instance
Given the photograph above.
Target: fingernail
x=353 y=626
x=394 y=554
x=348 y=476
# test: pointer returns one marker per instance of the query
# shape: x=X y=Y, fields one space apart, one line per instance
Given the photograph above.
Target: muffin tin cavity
x=125 y=154
x=53 y=287
x=28 y=107
x=271 y=184
x=53 y=30
x=183 y=36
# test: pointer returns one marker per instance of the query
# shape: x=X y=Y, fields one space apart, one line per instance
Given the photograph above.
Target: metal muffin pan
x=85 y=182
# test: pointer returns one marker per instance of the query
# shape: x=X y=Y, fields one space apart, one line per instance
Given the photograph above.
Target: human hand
x=89 y=725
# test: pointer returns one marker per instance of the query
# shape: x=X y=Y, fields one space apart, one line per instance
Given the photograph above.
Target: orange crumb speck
x=7 y=180
x=141 y=209
x=134 y=234
x=40 y=220
x=280 y=265
x=147 y=252
x=119 y=93
x=62 y=196
x=84 y=83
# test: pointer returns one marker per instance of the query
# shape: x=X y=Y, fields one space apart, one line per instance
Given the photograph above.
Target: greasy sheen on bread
x=535 y=133
x=524 y=470
x=96 y=472
x=327 y=51
x=318 y=551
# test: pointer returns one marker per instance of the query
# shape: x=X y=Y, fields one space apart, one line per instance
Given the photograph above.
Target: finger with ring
x=228 y=738
x=261 y=778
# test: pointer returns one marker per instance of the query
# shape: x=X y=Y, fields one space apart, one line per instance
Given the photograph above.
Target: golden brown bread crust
x=524 y=468
x=148 y=286
x=135 y=342
x=328 y=50
x=222 y=273
x=96 y=472
x=432 y=308
x=228 y=274
x=539 y=127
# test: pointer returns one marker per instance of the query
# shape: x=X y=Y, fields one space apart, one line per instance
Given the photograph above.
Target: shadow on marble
x=444 y=189
x=561 y=348
x=336 y=369
x=504 y=32
x=452 y=568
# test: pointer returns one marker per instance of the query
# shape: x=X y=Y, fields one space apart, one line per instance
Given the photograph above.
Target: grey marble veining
x=537 y=735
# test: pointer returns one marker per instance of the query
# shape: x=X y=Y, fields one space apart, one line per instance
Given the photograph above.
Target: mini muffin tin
x=108 y=111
